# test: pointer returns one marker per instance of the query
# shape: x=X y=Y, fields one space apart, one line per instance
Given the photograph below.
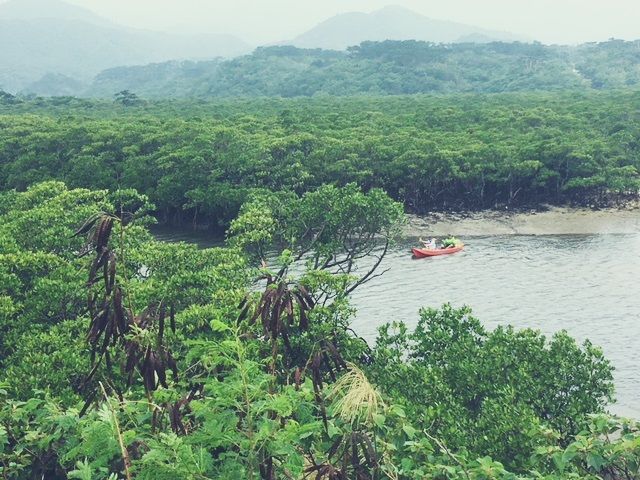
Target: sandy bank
x=555 y=221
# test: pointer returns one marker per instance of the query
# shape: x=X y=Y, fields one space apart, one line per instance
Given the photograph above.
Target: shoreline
x=552 y=221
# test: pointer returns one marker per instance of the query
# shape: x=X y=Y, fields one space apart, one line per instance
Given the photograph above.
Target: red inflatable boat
x=431 y=252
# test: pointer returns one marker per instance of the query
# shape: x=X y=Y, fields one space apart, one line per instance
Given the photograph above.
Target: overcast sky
x=264 y=21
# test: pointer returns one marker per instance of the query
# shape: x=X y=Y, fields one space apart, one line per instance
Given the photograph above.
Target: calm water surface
x=587 y=285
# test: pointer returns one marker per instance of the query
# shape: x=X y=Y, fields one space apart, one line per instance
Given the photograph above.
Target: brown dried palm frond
x=111 y=322
x=351 y=456
x=278 y=307
x=152 y=361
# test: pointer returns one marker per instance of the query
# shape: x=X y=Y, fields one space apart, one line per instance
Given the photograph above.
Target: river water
x=585 y=284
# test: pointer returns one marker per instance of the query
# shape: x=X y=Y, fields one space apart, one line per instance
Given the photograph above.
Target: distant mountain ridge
x=53 y=48
x=385 y=68
x=392 y=23
x=51 y=38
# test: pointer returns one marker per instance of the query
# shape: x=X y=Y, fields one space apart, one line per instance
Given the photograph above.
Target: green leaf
x=409 y=431
x=4 y=438
x=83 y=471
x=595 y=461
x=379 y=419
x=219 y=326
x=333 y=430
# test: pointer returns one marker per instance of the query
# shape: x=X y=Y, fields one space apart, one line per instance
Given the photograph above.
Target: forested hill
x=386 y=68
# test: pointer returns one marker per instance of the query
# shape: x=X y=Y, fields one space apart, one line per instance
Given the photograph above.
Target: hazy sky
x=263 y=21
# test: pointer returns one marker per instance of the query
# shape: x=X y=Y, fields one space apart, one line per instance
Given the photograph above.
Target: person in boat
x=450 y=242
x=429 y=245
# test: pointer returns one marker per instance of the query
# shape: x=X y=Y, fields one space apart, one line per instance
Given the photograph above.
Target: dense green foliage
x=124 y=357
x=385 y=68
x=501 y=382
x=198 y=162
x=278 y=386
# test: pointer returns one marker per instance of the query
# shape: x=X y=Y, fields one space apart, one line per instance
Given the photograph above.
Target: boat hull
x=425 y=252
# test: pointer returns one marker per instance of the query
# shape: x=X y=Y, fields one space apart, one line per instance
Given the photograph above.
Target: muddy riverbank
x=552 y=221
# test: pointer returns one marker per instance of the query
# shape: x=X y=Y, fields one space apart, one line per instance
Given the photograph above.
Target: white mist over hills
x=393 y=23
x=43 y=40
x=44 y=37
x=56 y=42
x=271 y=21
x=50 y=9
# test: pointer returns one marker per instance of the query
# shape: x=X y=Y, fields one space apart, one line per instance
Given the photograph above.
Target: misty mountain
x=158 y=80
x=392 y=23
x=52 y=37
x=57 y=85
x=53 y=9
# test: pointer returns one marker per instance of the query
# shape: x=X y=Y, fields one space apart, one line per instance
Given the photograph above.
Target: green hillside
x=386 y=68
